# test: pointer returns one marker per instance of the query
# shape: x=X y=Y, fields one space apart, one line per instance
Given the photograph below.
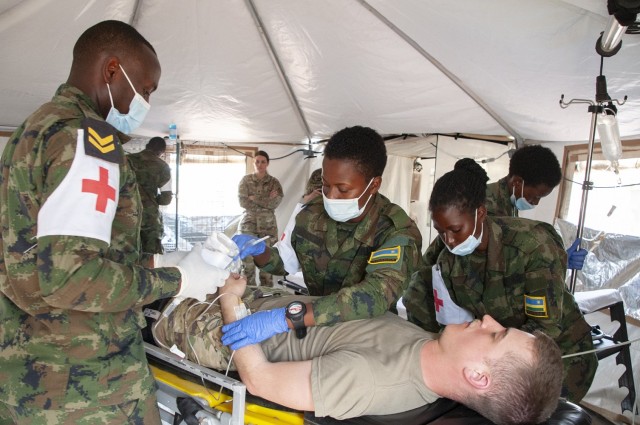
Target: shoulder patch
x=536 y=307
x=100 y=140
x=386 y=255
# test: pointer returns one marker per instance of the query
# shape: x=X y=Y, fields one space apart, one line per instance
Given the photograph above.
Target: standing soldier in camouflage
x=533 y=173
x=71 y=289
x=154 y=184
x=259 y=194
x=356 y=249
x=512 y=269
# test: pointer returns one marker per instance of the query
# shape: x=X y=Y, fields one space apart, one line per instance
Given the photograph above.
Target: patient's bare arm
x=285 y=383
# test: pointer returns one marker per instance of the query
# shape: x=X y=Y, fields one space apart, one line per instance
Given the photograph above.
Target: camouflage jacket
x=365 y=275
x=525 y=260
x=498 y=200
x=154 y=183
x=70 y=302
x=259 y=218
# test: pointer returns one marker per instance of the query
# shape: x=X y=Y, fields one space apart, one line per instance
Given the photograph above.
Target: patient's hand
x=235 y=284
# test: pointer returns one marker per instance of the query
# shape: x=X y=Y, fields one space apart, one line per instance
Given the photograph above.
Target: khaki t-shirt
x=360 y=367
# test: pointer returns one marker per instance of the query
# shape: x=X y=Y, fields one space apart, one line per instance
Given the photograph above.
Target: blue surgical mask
x=471 y=243
x=345 y=209
x=138 y=108
x=521 y=203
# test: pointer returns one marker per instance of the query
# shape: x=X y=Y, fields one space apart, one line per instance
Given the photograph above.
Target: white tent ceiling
x=491 y=67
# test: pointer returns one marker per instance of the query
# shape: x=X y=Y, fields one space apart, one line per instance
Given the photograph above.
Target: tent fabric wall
x=261 y=71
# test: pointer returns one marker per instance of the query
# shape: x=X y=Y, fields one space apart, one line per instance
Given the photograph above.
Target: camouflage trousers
x=138 y=412
x=250 y=269
x=196 y=327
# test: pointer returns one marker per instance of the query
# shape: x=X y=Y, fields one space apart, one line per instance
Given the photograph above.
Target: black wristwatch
x=295 y=312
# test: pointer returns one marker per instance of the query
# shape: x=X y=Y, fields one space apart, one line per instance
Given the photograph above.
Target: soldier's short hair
x=157 y=144
x=464 y=187
x=522 y=391
x=362 y=145
x=262 y=153
x=314 y=182
x=536 y=165
x=111 y=35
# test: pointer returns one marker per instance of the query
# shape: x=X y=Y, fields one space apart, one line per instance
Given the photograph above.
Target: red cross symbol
x=101 y=188
x=437 y=301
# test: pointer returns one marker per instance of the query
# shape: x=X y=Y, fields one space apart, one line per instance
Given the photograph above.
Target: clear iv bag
x=609 y=137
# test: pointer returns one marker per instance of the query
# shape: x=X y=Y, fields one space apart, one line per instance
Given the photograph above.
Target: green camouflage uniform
x=359 y=269
x=498 y=200
x=152 y=174
x=259 y=217
x=524 y=259
x=70 y=302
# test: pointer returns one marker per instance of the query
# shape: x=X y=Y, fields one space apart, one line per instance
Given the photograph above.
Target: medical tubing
x=595 y=350
x=204 y=384
x=165 y=313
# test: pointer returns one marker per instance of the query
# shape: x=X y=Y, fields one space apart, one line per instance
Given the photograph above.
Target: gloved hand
x=576 y=256
x=245 y=246
x=198 y=277
x=254 y=328
x=170 y=259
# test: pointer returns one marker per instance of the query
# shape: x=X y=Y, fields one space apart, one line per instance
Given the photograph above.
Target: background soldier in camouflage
x=359 y=259
x=259 y=195
x=71 y=289
x=154 y=184
x=515 y=274
x=533 y=173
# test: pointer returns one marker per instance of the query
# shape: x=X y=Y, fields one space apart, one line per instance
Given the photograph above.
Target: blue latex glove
x=576 y=256
x=254 y=328
x=247 y=247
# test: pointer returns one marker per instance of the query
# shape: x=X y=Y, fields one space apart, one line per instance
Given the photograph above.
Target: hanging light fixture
x=623 y=14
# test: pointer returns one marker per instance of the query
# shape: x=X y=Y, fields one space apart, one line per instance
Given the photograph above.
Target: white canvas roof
x=491 y=67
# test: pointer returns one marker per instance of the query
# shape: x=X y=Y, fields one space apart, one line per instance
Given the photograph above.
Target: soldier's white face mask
x=521 y=203
x=470 y=244
x=138 y=108
x=345 y=209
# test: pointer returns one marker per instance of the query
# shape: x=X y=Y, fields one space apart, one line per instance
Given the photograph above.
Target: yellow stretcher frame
x=253 y=413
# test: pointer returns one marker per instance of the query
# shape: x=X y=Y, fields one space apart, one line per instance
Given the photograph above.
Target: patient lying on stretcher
x=387 y=365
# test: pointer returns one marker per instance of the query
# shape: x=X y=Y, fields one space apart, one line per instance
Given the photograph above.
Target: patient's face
x=484 y=339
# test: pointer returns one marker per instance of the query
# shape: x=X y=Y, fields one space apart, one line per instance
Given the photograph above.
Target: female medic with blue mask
x=356 y=249
x=510 y=268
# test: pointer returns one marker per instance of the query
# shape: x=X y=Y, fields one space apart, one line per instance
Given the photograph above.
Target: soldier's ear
x=375 y=185
x=482 y=213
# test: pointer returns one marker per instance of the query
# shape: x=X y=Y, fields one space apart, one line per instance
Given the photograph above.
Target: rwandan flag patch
x=386 y=256
x=536 y=307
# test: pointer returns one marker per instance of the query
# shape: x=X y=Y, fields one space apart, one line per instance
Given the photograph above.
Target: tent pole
x=280 y=69
x=177 y=192
x=454 y=78
x=587 y=185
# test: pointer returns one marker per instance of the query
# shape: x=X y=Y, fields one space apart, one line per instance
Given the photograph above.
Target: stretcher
x=190 y=393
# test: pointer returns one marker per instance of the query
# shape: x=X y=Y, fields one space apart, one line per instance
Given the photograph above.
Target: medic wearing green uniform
x=361 y=268
x=498 y=201
x=70 y=293
x=154 y=183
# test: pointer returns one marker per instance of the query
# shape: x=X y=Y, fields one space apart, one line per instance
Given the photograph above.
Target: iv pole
x=595 y=108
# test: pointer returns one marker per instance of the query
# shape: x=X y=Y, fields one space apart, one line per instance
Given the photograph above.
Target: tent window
x=612 y=204
x=207 y=201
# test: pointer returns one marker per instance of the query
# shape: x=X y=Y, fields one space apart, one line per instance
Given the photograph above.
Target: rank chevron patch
x=100 y=140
